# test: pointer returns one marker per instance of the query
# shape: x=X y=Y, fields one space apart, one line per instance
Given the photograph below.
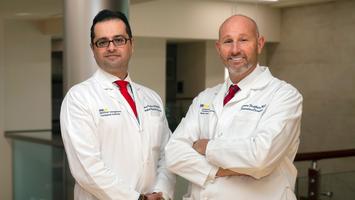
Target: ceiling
x=37 y=9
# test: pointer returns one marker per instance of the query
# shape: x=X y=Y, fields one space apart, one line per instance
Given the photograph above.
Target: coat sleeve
x=276 y=135
x=181 y=158
x=165 y=179
x=83 y=151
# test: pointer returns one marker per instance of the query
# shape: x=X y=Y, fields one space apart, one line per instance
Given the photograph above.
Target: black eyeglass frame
x=113 y=42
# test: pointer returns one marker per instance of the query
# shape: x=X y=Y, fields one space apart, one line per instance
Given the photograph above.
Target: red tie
x=232 y=90
x=123 y=88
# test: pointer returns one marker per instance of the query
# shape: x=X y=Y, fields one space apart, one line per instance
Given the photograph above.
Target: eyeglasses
x=117 y=41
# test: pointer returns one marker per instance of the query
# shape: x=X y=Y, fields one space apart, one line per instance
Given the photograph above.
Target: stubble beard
x=115 y=68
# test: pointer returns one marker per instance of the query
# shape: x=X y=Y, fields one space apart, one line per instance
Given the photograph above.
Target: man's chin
x=238 y=69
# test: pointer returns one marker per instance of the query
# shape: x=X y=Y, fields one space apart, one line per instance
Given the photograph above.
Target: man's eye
x=119 y=40
x=228 y=41
x=102 y=42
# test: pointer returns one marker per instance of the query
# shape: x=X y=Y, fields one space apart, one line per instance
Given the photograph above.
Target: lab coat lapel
x=240 y=95
x=218 y=100
x=138 y=99
x=106 y=82
x=117 y=96
x=260 y=82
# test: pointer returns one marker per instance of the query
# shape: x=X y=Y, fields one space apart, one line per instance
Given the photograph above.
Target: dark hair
x=105 y=15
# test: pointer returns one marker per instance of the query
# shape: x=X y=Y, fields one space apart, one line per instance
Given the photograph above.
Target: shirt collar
x=110 y=79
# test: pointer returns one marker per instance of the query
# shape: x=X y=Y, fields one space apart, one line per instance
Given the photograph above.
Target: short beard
x=239 y=72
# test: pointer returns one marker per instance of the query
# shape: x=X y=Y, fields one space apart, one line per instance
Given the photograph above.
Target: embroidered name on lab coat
x=253 y=108
x=205 y=109
x=152 y=108
x=104 y=112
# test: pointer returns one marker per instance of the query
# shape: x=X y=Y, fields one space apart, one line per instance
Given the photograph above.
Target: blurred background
x=44 y=50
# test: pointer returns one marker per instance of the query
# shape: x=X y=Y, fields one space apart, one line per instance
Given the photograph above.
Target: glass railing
x=40 y=170
x=326 y=175
x=333 y=186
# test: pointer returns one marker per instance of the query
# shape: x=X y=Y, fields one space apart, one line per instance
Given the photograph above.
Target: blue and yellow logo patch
x=205 y=109
x=106 y=112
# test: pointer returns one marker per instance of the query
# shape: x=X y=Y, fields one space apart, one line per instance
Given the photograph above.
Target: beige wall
x=214 y=65
x=27 y=77
x=5 y=147
x=316 y=54
x=191 y=68
x=198 y=19
x=24 y=87
x=147 y=65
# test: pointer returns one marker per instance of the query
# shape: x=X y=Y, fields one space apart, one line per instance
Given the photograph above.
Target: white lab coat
x=256 y=133
x=111 y=155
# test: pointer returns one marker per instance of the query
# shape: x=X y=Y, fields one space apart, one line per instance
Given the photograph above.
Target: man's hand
x=226 y=172
x=155 y=196
x=200 y=146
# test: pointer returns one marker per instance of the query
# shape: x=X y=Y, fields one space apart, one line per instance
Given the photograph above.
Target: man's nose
x=111 y=46
x=235 y=48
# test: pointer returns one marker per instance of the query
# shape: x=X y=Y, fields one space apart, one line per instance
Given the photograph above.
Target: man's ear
x=218 y=46
x=261 y=43
x=132 y=44
x=92 y=47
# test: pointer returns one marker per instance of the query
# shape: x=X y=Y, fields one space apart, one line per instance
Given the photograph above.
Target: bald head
x=239 y=45
x=245 y=20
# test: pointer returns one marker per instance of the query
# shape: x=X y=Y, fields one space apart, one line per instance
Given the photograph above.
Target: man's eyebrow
x=102 y=38
x=115 y=36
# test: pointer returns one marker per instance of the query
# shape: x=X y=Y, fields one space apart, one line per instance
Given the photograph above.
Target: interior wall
x=147 y=65
x=316 y=55
x=214 y=65
x=5 y=145
x=191 y=68
x=198 y=19
x=24 y=88
x=27 y=77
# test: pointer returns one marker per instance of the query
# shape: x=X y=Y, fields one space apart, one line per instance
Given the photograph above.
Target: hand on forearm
x=154 y=196
x=226 y=172
x=200 y=146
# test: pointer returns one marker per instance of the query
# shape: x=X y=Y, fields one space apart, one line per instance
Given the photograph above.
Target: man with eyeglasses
x=115 y=130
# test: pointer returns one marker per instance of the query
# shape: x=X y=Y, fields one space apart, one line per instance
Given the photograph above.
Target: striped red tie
x=123 y=88
x=232 y=90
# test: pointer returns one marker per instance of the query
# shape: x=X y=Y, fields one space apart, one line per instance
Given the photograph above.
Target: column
x=79 y=63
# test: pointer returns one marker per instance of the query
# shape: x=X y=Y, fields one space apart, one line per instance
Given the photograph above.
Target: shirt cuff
x=212 y=174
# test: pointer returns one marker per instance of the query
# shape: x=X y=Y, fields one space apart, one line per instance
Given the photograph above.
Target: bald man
x=239 y=138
